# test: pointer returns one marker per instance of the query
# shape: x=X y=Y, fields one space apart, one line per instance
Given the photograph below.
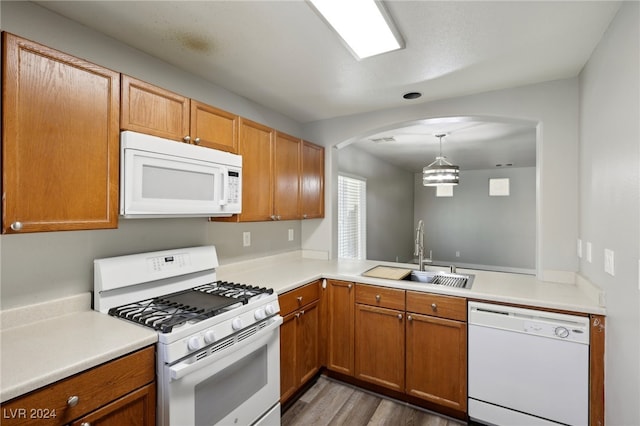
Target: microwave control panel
x=234 y=187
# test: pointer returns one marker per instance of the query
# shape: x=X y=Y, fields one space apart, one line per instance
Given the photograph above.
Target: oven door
x=234 y=381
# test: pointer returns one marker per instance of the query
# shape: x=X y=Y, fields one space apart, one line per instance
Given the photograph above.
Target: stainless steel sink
x=442 y=278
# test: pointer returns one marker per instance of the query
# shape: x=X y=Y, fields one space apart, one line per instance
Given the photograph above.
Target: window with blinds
x=352 y=223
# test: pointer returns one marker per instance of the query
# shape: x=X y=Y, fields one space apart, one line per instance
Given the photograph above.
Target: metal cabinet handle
x=73 y=401
x=302 y=312
x=304 y=216
x=349 y=286
x=434 y=306
x=399 y=316
x=409 y=318
x=187 y=139
x=300 y=299
x=16 y=226
x=85 y=424
x=377 y=297
x=297 y=314
x=273 y=217
x=197 y=141
x=278 y=217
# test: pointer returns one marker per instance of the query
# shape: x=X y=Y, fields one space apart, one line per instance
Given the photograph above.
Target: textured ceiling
x=282 y=55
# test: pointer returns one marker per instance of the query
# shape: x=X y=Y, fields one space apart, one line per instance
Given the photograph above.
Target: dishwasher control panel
x=539 y=323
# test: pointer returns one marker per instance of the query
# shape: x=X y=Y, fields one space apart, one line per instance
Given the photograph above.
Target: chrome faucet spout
x=419 y=246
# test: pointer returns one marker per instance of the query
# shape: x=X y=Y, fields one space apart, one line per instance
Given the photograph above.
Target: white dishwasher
x=527 y=367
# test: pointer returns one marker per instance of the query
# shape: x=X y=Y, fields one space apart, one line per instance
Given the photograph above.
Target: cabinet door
x=308 y=324
x=135 y=409
x=256 y=147
x=312 y=181
x=213 y=128
x=288 y=356
x=152 y=110
x=287 y=164
x=340 y=326
x=437 y=360
x=379 y=346
x=60 y=140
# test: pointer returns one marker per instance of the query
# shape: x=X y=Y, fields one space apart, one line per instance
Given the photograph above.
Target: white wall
x=553 y=105
x=610 y=201
x=389 y=204
x=495 y=233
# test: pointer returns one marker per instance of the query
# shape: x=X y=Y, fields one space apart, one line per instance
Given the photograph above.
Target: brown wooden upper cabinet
x=282 y=176
x=152 y=110
x=287 y=170
x=312 y=185
x=60 y=140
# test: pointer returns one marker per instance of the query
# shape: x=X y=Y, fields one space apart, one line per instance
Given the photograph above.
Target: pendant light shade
x=440 y=172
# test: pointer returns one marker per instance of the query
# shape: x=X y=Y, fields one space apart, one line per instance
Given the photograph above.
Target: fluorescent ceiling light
x=363 y=25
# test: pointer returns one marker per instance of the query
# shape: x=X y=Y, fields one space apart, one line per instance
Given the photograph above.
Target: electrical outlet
x=457 y=254
x=290 y=234
x=246 y=239
x=589 y=258
x=609 y=262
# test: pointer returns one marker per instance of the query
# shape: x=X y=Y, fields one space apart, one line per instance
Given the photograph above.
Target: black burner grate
x=163 y=313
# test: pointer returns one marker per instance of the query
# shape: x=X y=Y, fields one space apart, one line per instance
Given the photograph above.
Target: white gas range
x=218 y=352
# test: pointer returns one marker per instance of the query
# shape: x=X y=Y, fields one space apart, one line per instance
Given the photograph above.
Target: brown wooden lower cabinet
x=379 y=346
x=299 y=348
x=339 y=322
x=118 y=392
x=437 y=360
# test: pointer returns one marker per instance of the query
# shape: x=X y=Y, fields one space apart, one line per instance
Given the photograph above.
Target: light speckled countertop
x=286 y=272
x=41 y=344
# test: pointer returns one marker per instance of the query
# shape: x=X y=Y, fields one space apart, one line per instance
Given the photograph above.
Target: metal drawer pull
x=299 y=299
x=409 y=318
x=16 y=226
x=73 y=401
x=197 y=141
x=377 y=297
x=349 y=286
x=187 y=139
x=434 y=306
x=85 y=424
x=399 y=316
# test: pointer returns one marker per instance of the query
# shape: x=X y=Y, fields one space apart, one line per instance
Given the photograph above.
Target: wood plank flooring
x=329 y=402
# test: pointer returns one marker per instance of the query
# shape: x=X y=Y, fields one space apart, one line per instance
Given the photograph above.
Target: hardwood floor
x=329 y=402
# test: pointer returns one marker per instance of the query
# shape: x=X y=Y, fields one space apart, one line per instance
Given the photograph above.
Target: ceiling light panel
x=363 y=25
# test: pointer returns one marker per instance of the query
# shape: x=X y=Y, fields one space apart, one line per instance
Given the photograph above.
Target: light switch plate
x=609 y=262
x=588 y=254
x=246 y=239
x=579 y=248
x=290 y=234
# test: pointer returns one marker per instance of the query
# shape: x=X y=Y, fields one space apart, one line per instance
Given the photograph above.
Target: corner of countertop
x=42 y=311
x=591 y=290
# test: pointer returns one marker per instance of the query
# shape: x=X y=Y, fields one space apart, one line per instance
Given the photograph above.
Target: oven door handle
x=183 y=368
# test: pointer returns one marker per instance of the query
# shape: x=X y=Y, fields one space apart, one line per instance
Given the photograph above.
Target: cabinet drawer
x=93 y=389
x=384 y=297
x=294 y=299
x=437 y=305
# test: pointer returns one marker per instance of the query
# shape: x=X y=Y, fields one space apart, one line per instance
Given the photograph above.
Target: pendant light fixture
x=440 y=172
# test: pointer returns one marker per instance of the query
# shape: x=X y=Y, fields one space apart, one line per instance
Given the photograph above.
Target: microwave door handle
x=225 y=187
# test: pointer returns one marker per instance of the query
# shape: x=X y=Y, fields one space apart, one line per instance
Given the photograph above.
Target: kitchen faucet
x=419 y=246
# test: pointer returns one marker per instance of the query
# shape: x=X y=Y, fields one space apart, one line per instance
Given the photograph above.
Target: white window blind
x=352 y=225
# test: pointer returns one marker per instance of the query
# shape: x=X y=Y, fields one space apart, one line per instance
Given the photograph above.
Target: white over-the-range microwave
x=164 y=178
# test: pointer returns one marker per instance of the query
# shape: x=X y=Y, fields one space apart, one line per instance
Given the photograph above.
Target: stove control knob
x=269 y=309
x=194 y=343
x=260 y=314
x=236 y=324
x=209 y=336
